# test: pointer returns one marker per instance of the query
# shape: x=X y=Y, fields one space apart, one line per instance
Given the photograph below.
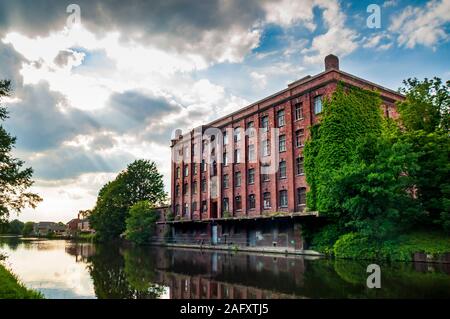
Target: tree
x=140 y=224
x=427 y=105
x=15 y=227
x=28 y=229
x=14 y=180
x=139 y=181
x=425 y=118
x=359 y=169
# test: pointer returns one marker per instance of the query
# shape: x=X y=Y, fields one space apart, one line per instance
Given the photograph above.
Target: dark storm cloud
x=62 y=59
x=176 y=24
x=69 y=162
x=10 y=64
x=132 y=111
x=42 y=119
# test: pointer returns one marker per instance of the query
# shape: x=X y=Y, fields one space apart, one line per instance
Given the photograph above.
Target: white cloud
x=422 y=25
x=380 y=42
x=288 y=12
x=338 y=39
x=390 y=3
x=259 y=80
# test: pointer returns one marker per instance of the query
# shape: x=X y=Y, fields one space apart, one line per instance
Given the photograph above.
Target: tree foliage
x=427 y=105
x=139 y=181
x=140 y=224
x=14 y=179
x=373 y=176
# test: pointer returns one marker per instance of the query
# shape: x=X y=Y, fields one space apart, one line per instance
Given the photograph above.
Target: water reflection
x=62 y=269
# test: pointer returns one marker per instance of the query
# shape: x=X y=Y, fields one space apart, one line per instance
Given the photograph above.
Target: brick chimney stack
x=331 y=62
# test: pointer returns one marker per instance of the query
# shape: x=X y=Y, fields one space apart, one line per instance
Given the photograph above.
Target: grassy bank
x=11 y=288
x=401 y=248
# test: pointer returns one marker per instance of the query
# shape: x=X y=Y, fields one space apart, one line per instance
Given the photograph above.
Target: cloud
x=260 y=80
x=426 y=25
x=379 y=42
x=218 y=30
x=43 y=119
x=338 y=39
x=390 y=3
x=69 y=162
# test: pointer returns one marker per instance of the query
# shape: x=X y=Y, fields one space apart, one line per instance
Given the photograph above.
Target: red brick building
x=241 y=177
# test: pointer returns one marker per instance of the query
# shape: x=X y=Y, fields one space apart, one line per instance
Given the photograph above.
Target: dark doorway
x=214 y=210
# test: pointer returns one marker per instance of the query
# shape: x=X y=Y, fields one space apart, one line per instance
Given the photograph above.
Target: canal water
x=65 y=269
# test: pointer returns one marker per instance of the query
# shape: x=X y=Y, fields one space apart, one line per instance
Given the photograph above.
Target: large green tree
x=425 y=119
x=139 y=181
x=140 y=224
x=14 y=179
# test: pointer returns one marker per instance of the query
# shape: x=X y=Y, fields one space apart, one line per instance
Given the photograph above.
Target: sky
x=98 y=87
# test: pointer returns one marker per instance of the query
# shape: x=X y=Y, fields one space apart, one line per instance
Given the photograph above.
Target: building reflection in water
x=156 y=272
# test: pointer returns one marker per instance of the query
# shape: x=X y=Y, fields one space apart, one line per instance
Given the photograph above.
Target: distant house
x=44 y=228
x=72 y=227
x=84 y=225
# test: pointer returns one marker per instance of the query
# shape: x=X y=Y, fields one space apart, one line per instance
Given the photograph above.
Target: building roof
x=331 y=74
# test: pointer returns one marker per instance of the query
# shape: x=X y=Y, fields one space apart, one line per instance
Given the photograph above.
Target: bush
x=325 y=238
x=356 y=246
x=140 y=225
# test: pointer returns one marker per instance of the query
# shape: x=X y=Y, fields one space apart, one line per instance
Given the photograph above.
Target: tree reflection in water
x=123 y=273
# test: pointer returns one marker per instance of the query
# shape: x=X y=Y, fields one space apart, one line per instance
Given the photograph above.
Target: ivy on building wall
x=349 y=115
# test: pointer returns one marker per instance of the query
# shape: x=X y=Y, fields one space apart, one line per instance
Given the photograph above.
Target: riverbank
x=11 y=288
x=417 y=246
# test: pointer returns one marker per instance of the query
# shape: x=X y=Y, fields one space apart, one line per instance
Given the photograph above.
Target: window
x=301 y=196
x=194 y=206
x=251 y=176
x=251 y=129
x=237 y=156
x=203 y=185
x=237 y=134
x=177 y=190
x=194 y=187
x=299 y=137
x=194 y=149
x=265 y=173
x=265 y=123
x=282 y=169
x=186 y=170
x=213 y=168
x=177 y=209
x=185 y=209
x=238 y=202
x=299 y=166
x=226 y=205
x=282 y=143
x=266 y=147
x=280 y=118
x=225 y=138
x=237 y=179
x=226 y=181
x=185 y=188
x=318 y=104
x=251 y=153
x=266 y=200
x=283 y=198
x=298 y=111
x=204 y=206
x=203 y=166
x=225 y=158
x=251 y=201
x=194 y=169
x=178 y=172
